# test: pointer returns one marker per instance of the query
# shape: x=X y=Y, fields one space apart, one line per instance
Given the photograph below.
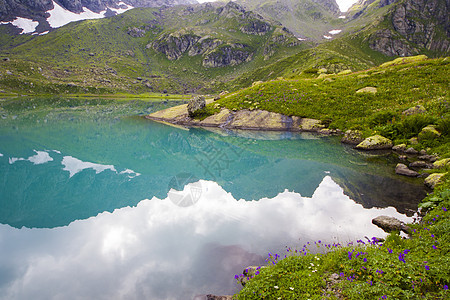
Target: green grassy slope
x=117 y=53
x=334 y=100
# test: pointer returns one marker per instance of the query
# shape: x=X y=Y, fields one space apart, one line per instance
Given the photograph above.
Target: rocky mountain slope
x=43 y=15
x=407 y=27
x=181 y=49
x=308 y=19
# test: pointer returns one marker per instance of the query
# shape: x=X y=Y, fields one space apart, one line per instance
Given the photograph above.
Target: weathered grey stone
x=402 y=169
x=353 y=137
x=418 y=109
x=423 y=152
x=411 y=151
x=310 y=124
x=420 y=164
x=399 y=148
x=376 y=142
x=195 y=104
x=430 y=158
x=432 y=180
x=390 y=224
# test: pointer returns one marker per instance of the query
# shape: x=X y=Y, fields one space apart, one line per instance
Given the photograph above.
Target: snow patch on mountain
x=26 y=25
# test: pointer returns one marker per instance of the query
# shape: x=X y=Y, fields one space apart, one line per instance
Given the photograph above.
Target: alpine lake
x=97 y=202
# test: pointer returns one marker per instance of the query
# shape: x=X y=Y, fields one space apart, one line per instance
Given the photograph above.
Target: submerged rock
x=390 y=224
x=432 y=180
x=376 y=142
x=402 y=169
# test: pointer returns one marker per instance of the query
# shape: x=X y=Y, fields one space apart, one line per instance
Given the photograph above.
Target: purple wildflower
x=434 y=247
x=401 y=257
x=427 y=268
x=389 y=250
x=446 y=287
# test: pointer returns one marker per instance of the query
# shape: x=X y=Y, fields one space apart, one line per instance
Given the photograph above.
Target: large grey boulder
x=195 y=104
x=390 y=224
x=432 y=180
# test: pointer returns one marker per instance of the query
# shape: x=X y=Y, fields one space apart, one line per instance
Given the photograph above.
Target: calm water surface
x=98 y=203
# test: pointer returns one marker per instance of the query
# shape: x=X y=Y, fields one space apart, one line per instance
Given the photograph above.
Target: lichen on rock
x=376 y=142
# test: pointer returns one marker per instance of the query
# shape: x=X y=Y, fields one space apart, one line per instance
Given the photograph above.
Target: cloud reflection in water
x=158 y=250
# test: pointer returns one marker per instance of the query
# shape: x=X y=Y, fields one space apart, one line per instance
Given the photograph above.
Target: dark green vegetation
x=414 y=268
x=334 y=100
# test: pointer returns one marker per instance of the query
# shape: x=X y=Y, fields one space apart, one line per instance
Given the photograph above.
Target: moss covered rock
x=432 y=180
x=428 y=133
x=367 y=90
x=376 y=142
x=442 y=163
x=352 y=137
x=418 y=109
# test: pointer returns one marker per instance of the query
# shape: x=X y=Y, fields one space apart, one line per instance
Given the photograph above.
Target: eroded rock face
x=228 y=55
x=174 y=45
x=416 y=24
x=390 y=224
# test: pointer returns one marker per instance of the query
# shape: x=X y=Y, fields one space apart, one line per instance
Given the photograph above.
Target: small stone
x=433 y=179
x=430 y=158
x=413 y=141
x=402 y=169
x=403 y=157
x=367 y=90
x=399 y=148
x=420 y=164
x=423 y=152
x=418 y=109
x=389 y=224
x=411 y=151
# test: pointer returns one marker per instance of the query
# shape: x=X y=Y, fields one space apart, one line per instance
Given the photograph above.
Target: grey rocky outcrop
x=390 y=224
x=416 y=25
x=433 y=179
x=228 y=55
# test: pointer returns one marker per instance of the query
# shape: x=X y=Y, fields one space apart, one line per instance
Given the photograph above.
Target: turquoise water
x=90 y=183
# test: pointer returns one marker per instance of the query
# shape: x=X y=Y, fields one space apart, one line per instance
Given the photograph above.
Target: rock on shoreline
x=242 y=119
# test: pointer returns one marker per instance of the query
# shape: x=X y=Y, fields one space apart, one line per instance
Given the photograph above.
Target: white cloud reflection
x=41 y=157
x=158 y=250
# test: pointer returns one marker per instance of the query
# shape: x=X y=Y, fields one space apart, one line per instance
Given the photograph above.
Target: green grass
x=334 y=99
x=414 y=268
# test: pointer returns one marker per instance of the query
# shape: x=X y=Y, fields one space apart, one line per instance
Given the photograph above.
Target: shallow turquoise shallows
x=98 y=202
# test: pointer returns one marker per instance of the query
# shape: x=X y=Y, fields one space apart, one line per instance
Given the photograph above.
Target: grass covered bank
x=372 y=101
x=397 y=268
x=414 y=268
